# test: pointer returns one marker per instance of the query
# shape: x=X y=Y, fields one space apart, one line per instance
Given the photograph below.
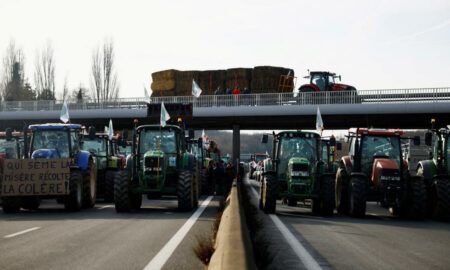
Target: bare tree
x=104 y=82
x=65 y=91
x=44 y=74
x=13 y=66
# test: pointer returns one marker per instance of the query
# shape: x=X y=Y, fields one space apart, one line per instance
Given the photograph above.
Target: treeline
x=16 y=86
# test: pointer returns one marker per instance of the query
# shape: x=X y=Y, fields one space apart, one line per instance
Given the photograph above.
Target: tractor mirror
x=428 y=138
x=200 y=143
x=332 y=141
x=91 y=132
x=8 y=134
x=339 y=146
x=340 y=78
x=191 y=134
x=416 y=140
x=265 y=138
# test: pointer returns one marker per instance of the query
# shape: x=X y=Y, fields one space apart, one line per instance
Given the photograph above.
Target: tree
x=13 y=74
x=44 y=74
x=104 y=82
x=80 y=94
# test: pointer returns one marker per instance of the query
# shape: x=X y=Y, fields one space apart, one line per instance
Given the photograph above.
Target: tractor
x=296 y=173
x=321 y=81
x=375 y=170
x=159 y=165
x=107 y=159
x=436 y=172
x=56 y=142
x=196 y=148
x=329 y=147
x=256 y=160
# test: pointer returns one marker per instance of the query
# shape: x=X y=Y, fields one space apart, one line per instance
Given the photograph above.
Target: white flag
x=296 y=91
x=196 y=90
x=147 y=95
x=319 y=122
x=110 y=130
x=64 y=113
x=164 y=115
x=203 y=137
x=105 y=130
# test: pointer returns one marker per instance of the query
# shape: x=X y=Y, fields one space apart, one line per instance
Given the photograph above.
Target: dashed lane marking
x=22 y=232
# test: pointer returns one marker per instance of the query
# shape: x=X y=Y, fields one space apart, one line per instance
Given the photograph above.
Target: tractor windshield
x=125 y=150
x=52 y=139
x=9 y=148
x=165 y=141
x=301 y=147
x=196 y=151
x=319 y=81
x=259 y=158
x=378 y=147
x=96 y=146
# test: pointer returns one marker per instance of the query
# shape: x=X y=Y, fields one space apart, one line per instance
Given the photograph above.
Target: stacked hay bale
x=266 y=79
x=165 y=82
x=238 y=77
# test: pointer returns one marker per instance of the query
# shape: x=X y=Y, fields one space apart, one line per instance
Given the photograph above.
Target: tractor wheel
x=269 y=196
x=417 y=198
x=261 y=196
x=109 y=186
x=196 y=185
x=440 y=199
x=122 y=192
x=89 y=185
x=204 y=182
x=315 y=206
x=291 y=202
x=136 y=201
x=11 y=205
x=74 y=200
x=185 y=191
x=31 y=203
x=357 y=196
x=341 y=192
x=327 y=195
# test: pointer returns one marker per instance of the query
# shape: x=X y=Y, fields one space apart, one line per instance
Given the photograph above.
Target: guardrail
x=414 y=95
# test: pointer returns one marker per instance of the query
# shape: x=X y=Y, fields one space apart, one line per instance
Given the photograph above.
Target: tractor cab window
x=300 y=147
x=97 y=146
x=52 y=139
x=259 y=158
x=153 y=140
x=325 y=152
x=330 y=79
x=319 y=81
x=379 y=147
x=9 y=148
x=74 y=141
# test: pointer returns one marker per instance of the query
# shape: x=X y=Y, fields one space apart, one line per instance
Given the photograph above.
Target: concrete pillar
x=236 y=142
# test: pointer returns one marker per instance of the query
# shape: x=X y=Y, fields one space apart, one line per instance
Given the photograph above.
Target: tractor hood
x=154 y=154
x=45 y=153
x=340 y=86
x=297 y=160
x=299 y=167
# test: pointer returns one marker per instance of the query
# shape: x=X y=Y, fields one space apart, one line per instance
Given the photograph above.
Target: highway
x=379 y=241
x=100 y=238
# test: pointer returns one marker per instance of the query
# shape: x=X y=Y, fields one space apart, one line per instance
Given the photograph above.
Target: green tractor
x=109 y=162
x=159 y=165
x=436 y=172
x=196 y=148
x=296 y=172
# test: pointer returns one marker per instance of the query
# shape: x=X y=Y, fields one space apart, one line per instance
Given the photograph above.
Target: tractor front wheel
x=11 y=205
x=357 y=196
x=122 y=192
x=109 y=186
x=417 y=198
x=269 y=196
x=185 y=191
x=341 y=192
x=327 y=195
x=440 y=199
x=204 y=182
x=89 y=185
x=74 y=201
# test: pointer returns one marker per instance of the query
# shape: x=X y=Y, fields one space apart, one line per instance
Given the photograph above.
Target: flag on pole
x=105 y=130
x=203 y=137
x=64 y=113
x=147 y=95
x=319 y=122
x=196 y=90
x=164 y=115
x=110 y=130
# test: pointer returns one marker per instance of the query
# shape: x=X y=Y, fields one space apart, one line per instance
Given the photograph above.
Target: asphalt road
x=100 y=238
x=378 y=241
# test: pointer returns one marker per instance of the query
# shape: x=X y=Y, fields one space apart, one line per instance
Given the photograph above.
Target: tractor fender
x=346 y=163
x=428 y=167
x=380 y=164
x=309 y=86
x=268 y=166
x=83 y=159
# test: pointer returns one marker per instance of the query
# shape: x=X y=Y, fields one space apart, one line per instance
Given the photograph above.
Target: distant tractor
x=321 y=81
x=329 y=147
x=375 y=170
x=159 y=165
x=436 y=172
x=53 y=145
x=296 y=173
x=256 y=160
x=196 y=148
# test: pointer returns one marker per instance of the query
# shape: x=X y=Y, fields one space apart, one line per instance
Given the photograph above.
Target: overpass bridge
x=393 y=108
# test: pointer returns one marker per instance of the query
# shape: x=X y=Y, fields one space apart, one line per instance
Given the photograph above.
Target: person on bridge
x=236 y=92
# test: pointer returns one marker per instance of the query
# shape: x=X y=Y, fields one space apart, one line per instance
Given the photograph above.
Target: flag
x=164 y=115
x=147 y=96
x=64 y=113
x=105 y=130
x=319 y=122
x=110 y=130
x=296 y=91
x=196 y=90
x=204 y=137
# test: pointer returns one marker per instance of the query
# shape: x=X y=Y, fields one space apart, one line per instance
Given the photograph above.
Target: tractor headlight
x=389 y=178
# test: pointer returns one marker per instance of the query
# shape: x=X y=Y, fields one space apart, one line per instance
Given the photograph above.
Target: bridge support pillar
x=236 y=143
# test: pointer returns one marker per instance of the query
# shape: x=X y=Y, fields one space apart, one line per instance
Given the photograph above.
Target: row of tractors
x=303 y=168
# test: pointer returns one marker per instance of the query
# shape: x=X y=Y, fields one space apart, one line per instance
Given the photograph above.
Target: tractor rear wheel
x=74 y=200
x=440 y=199
x=11 y=205
x=185 y=191
x=327 y=195
x=357 y=196
x=31 y=203
x=122 y=192
x=204 y=182
x=109 y=186
x=341 y=192
x=89 y=185
x=417 y=198
x=269 y=196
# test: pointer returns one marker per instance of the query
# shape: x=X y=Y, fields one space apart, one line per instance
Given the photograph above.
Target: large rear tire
x=327 y=195
x=122 y=191
x=341 y=192
x=269 y=195
x=185 y=191
x=109 y=186
x=204 y=182
x=31 y=202
x=440 y=199
x=357 y=197
x=90 y=185
x=196 y=185
x=74 y=201
x=11 y=205
x=417 y=198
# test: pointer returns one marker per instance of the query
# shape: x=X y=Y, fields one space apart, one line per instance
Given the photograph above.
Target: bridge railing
x=414 y=95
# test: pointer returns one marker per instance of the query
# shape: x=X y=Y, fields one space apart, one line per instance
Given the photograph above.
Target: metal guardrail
x=414 y=95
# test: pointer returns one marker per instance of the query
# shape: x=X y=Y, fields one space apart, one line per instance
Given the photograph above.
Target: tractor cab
x=10 y=145
x=321 y=81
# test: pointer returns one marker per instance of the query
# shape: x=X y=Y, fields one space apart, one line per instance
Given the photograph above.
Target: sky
x=372 y=44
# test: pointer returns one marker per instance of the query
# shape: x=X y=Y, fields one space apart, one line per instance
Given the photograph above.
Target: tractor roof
x=158 y=126
x=14 y=134
x=376 y=131
x=54 y=126
x=315 y=72
x=261 y=155
x=297 y=132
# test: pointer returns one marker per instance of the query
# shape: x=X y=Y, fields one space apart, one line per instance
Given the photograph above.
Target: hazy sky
x=372 y=44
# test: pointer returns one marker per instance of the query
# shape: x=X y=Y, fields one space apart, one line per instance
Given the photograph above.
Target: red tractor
x=321 y=81
x=375 y=170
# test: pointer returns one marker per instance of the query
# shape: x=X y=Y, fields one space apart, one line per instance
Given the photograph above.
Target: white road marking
x=22 y=232
x=164 y=254
x=105 y=206
x=306 y=258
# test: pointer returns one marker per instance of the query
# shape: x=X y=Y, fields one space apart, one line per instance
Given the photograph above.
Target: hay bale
x=163 y=85
x=169 y=74
x=238 y=77
x=266 y=79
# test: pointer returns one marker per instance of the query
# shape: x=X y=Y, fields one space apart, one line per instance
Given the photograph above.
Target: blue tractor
x=57 y=142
